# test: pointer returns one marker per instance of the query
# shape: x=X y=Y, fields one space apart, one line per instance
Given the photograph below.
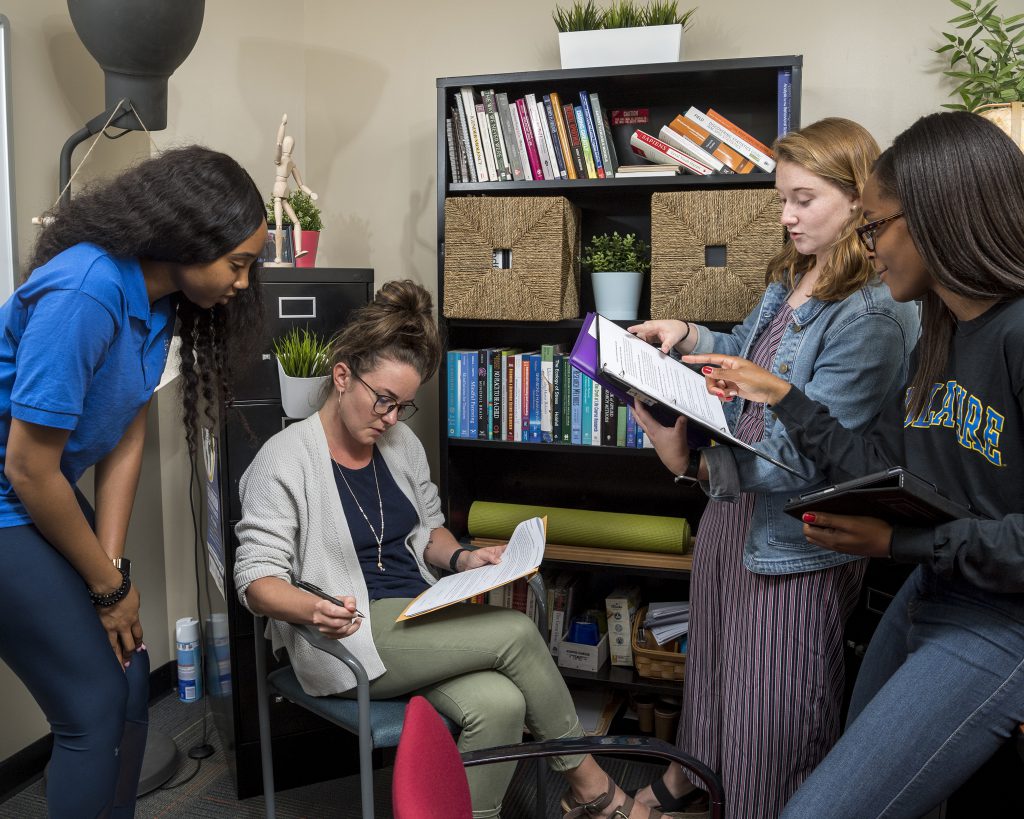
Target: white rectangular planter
x=621 y=46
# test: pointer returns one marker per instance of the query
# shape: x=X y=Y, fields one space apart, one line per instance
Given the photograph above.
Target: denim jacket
x=849 y=355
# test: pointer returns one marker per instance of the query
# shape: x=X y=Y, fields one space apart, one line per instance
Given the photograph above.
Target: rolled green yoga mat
x=581 y=527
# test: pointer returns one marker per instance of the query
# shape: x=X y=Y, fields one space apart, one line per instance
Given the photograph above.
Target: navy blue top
x=81 y=349
x=401 y=576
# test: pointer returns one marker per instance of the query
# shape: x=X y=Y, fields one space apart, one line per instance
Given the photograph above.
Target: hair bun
x=405 y=296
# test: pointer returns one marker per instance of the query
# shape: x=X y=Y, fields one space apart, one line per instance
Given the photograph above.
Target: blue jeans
x=51 y=637
x=941 y=688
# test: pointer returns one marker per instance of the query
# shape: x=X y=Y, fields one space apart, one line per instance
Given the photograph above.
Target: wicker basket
x=656 y=662
x=1007 y=115
x=543 y=235
x=684 y=225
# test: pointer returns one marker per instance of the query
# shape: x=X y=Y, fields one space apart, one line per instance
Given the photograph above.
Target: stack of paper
x=666 y=622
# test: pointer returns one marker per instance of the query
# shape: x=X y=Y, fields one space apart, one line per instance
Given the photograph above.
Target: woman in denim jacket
x=765 y=668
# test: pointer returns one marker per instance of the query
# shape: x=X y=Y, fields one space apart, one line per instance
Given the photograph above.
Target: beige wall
x=357 y=81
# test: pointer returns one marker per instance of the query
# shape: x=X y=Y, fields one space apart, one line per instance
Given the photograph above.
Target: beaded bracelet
x=117 y=595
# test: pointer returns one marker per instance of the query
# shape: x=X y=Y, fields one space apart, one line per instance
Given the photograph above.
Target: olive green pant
x=488 y=670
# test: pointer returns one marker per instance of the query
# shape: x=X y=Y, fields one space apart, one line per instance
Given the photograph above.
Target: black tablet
x=894 y=495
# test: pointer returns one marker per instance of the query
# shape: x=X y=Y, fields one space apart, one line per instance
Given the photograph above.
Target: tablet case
x=894 y=495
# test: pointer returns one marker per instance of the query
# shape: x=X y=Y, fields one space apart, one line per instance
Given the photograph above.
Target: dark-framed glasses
x=868 y=232
x=385 y=404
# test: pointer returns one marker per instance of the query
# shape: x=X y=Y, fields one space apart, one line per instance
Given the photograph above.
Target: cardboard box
x=583 y=657
x=621 y=606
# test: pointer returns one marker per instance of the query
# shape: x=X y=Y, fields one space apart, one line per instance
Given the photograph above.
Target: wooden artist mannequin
x=283 y=168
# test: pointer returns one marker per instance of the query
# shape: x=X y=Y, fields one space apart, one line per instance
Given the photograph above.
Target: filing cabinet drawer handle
x=296 y=307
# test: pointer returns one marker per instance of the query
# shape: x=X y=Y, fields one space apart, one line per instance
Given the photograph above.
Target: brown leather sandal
x=579 y=810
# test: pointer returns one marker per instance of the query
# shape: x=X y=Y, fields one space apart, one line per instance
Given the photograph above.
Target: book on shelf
x=608 y=156
x=785 y=108
x=538 y=137
x=466 y=139
x=545 y=138
x=561 y=602
x=626 y=171
x=552 y=135
x=532 y=429
x=563 y=135
x=588 y=156
x=709 y=142
x=692 y=150
x=734 y=137
x=473 y=127
x=522 y=558
x=526 y=128
x=652 y=148
x=575 y=144
x=595 y=147
x=510 y=137
x=485 y=140
x=501 y=163
x=453 y=161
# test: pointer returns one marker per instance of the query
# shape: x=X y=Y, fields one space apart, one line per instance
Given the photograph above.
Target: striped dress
x=764 y=677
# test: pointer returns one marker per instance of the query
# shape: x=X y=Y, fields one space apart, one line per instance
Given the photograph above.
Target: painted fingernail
x=127 y=663
x=809 y=517
x=142 y=647
x=706 y=370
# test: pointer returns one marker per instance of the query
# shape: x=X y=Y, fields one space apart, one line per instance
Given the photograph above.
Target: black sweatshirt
x=969 y=442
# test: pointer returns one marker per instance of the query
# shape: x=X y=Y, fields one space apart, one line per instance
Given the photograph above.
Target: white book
x=469 y=106
x=517 y=126
x=652 y=148
x=485 y=129
x=542 y=115
x=538 y=137
x=741 y=146
x=688 y=146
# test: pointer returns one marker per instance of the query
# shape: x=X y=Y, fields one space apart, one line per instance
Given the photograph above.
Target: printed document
x=521 y=557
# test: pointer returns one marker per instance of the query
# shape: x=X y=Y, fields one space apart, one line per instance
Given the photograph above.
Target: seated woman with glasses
x=942 y=684
x=343 y=500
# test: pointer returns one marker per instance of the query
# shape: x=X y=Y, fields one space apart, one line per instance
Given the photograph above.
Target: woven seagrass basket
x=542 y=234
x=685 y=282
x=652 y=660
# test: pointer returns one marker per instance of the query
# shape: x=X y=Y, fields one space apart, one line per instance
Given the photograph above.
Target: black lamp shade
x=138 y=44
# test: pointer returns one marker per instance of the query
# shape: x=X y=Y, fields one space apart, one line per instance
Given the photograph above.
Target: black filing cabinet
x=306 y=749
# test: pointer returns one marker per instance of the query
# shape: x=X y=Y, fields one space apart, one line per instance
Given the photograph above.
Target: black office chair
x=376 y=723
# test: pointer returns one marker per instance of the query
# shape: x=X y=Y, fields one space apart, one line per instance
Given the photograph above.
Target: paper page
x=655 y=374
x=521 y=557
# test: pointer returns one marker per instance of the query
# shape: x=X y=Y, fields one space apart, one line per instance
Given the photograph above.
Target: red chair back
x=430 y=781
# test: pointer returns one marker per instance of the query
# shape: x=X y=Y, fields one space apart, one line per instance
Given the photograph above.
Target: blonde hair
x=841 y=152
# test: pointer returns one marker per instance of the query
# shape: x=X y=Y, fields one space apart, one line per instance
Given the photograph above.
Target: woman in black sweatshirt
x=942 y=684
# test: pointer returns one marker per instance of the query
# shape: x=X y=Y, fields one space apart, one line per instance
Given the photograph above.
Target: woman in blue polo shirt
x=84 y=342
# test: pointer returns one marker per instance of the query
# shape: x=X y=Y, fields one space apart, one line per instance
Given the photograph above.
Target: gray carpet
x=211 y=791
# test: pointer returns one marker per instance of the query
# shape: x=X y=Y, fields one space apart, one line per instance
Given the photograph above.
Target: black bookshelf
x=596 y=477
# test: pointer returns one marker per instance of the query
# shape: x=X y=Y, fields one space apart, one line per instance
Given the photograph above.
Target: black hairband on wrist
x=117 y=595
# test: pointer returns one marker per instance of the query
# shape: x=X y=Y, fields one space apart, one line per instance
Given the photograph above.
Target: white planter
x=621 y=46
x=617 y=293
x=300 y=397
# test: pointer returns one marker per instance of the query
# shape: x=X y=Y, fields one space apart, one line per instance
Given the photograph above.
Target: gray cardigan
x=293 y=525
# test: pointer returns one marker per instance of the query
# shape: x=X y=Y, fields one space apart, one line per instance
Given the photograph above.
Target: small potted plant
x=617 y=265
x=988 y=65
x=310 y=223
x=303 y=369
x=623 y=34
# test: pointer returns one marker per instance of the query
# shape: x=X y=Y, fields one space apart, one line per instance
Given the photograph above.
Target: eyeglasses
x=385 y=404
x=868 y=232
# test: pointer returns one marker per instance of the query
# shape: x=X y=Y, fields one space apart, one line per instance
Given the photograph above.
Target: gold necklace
x=380 y=502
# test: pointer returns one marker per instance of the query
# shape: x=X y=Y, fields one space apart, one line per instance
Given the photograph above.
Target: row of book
x=530 y=138
x=506 y=394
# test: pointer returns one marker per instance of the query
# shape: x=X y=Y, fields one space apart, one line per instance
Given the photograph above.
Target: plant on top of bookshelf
x=988 y=64
x=625 y=33
x=617 y=265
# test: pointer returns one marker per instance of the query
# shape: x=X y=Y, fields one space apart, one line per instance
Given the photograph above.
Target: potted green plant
x=310 y=223
x=988 y=63
x=624 y=33
x=303 y=369
x=617 y=265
